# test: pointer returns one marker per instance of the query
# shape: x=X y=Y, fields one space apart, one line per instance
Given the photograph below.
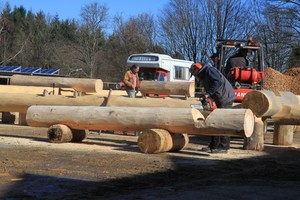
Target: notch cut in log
x=78 y=84
x=175 y=120
x=60 y=133
x=168 y=88
x=158 y=140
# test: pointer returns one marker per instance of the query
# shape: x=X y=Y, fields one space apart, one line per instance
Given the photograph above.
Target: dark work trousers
x=221 y=142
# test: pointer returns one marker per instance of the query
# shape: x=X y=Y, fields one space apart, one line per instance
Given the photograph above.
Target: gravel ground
x=110 y=166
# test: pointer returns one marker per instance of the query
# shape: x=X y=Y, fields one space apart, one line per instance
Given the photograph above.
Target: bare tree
x=91 y=35
x=137 y=34
x=277 y=24
x=191 y=27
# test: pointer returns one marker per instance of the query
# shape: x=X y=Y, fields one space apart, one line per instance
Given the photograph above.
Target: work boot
x=215 y=151
x=206 y=149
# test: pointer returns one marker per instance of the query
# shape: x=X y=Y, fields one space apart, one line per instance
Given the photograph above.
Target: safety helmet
x=195 y=66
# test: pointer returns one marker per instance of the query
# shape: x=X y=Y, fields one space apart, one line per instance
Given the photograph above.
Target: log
x=30 y=89
x=60 y=133
x=236 y=119
x=175 y=120
x=168 y=88
x=288 y=115
x=55 y=91
x=265 y=103
x=256 y=141
x=283 y=134
x=151 y=102
x=78 y=84
x=159 y=140
x=21 y=102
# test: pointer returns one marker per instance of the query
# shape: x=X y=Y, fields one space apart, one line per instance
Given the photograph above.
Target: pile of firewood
x=276 y=81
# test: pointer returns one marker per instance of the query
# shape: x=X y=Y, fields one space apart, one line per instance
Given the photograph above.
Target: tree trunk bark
x=78 y=84
x=265 y=103
x=175 y=120
x=159 y=140
x=168 y=88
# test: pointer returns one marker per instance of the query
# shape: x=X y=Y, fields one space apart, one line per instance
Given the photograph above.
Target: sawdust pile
x=276 y=81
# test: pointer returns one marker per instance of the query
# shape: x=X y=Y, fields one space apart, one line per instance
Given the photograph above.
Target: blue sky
x=69 y=9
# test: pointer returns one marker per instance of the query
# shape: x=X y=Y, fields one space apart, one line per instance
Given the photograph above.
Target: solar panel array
x=28 y=70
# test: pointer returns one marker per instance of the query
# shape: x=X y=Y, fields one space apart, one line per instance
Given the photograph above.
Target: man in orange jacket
x=131 y=79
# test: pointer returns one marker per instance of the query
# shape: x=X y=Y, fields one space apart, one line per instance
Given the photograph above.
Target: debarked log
x=288 y=115
x=168 y=88
x=175 y=120
x=151 y=102
x=10 y=102
x=264 y=103
x=78 y=84
x=160 y=140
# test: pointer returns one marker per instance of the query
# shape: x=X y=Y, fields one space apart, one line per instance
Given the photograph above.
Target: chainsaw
x=207 y=103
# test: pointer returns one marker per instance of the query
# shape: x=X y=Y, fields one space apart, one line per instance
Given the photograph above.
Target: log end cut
x=59 y=133
x=249 y=122
x=98 y=85
x=155 y=141
x=257 y=102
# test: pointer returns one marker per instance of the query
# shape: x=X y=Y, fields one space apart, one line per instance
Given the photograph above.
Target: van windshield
x=149 y=76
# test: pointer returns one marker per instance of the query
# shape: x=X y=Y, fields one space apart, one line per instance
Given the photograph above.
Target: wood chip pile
x=276 y=81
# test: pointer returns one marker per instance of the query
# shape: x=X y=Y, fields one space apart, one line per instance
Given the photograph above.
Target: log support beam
x=159 y=140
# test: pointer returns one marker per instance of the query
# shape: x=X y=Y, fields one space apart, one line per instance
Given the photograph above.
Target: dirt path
x=107 y=166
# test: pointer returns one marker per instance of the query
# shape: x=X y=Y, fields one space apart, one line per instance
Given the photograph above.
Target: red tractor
x=246 y=78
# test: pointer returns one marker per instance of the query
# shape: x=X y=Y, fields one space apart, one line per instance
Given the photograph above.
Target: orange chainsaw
x=207 y=103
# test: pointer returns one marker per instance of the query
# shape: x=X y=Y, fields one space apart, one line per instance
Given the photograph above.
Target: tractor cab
x=243 y=78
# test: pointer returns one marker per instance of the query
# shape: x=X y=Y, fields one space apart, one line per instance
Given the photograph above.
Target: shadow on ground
x=274 y=176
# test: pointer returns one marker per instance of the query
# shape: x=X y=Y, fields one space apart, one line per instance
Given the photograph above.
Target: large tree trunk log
x=78 y=84
x=283 y=134
x=267 y=103
x=256 y=141
x=159 y=140
x=168 y=88
x=21 y=102
x=175 y=120
x=151 y=102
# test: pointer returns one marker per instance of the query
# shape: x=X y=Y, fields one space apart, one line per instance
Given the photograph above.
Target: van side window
x=181 y=73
